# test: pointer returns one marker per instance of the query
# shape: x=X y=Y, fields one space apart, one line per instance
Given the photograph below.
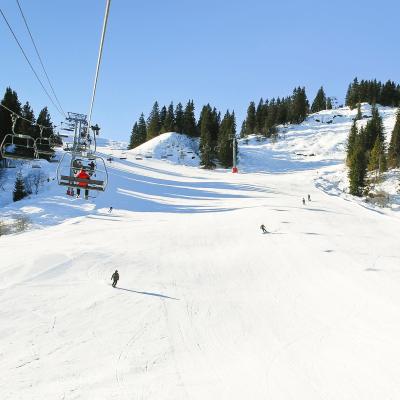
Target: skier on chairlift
x=82 y=175
x=115 y=278
x=91 y=165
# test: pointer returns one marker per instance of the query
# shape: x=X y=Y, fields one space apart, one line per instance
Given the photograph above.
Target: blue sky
x=226 y=53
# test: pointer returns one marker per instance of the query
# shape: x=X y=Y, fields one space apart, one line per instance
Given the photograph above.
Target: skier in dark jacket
x=264 y=230
x=114 y=278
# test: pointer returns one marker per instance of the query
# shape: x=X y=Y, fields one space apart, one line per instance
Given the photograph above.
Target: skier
x=91 y=168
x=114 y=278
x=309 y=197
x=304 y=202
x=83 y=175
x=110 y=210
x=264 y=230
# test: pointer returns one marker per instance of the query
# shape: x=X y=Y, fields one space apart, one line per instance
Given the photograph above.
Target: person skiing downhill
x=304 y=202
x=114 y=278
x=309 y=197
x=264 y=230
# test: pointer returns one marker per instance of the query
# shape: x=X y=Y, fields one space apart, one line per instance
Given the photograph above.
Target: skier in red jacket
x=82 y=175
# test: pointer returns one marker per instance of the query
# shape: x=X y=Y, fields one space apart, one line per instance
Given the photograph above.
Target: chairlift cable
x=99 y=60
x=30 y=64
x=40 y=58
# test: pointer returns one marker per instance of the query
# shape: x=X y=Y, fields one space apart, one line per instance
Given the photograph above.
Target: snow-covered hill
x=171 y=147
x=207 y=307
x=319 y=141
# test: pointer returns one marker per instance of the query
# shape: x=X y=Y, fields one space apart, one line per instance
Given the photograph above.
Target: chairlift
x=67 y=127
x=69 y=167
x=43 y=146
x=148 y=155
x=138 y=157
x=17 y=146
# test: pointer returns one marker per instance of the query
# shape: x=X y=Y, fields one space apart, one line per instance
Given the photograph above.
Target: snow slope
x=171 y=147
x=207 y=307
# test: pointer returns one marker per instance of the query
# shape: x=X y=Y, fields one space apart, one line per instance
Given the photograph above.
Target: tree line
x=373 y=92
x=27 y=125
x=216 y=134
x=367 y=150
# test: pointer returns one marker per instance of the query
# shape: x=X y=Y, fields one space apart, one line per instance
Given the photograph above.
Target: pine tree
x=357 y=169
x=169 y=123
x=226 y=140
x=19 y=189
x=359 y=113
x=10 y=100
x=374 y=129
x=163 y=116
x=351 y=141
x=189 y=120
x=142 y=129
x=206 y=143
x=153 y=122
x=179 y=118
x=352 y=95
x=377 y=158
x=243 y=130
x=215 y=124
x=394 y=146
x=260 y=117
x=132 y=139
x=251 y=119
x=25 y=127
x=138 y=134
x=329 y=105
x=319 y=102
x=299 y=106
x=44 y=119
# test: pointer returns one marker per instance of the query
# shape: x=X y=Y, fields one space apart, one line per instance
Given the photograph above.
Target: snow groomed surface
x=207 y=307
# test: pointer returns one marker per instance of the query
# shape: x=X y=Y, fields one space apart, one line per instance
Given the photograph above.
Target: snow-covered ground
x=171 y=147
x=207 y=307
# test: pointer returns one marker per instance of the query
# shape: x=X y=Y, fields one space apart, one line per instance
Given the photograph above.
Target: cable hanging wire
x=40 y=58
x=27 y=120
x=103 y=33
x=27 y=59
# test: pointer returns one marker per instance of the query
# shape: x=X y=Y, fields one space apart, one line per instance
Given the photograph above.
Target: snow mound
x=174 y=147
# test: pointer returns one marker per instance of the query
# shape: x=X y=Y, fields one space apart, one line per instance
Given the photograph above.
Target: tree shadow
x=148 y=293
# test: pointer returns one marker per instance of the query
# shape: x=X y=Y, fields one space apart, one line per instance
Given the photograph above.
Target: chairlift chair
x=43 y=148
x=18 y=147
x=69 y=167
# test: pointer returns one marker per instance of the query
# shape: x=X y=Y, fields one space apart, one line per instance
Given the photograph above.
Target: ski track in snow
x=207 y=307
